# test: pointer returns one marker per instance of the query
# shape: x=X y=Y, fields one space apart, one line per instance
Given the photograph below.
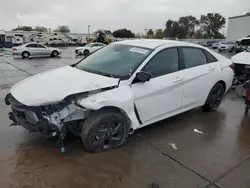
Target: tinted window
x=163 y=63
x=193 y=57
x=31 y=46
x=39 y=46
x=210 y=57
x=245 y=42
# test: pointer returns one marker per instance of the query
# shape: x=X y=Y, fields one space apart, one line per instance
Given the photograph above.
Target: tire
x=214 y=98
x=26 y=54
x=104 y=129
x=219 y=50
x=54 y=53
x=86 y=52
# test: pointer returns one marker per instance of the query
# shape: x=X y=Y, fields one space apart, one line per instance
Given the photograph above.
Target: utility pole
x=89 y=30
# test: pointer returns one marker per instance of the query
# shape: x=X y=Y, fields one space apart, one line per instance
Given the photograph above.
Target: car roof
x=243 y=38
x=154 y=43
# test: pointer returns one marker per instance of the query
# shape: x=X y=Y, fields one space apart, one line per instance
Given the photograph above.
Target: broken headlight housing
x=51 y=108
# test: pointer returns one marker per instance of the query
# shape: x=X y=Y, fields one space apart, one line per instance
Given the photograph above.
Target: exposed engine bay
x=241 y=79
x=53 y=119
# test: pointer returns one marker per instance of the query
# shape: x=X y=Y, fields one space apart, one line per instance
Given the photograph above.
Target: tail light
x=14 y=49
x=232 y=66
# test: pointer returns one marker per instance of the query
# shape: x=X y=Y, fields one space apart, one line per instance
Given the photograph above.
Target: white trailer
x=238 y=27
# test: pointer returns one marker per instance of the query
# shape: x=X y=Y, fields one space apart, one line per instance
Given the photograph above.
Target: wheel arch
x=223 y=83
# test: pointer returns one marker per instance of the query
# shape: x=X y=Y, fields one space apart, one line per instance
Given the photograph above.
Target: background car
x=89 y=48
x=226 y=46
x=215 y=45
x=242 y=44
x=34 y=49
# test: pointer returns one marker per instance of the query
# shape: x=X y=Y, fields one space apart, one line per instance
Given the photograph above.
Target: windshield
x=115 y=60
x=89 y=45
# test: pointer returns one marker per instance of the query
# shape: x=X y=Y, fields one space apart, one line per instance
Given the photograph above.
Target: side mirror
x=142 y=76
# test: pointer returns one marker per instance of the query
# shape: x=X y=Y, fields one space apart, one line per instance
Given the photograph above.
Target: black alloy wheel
x=104 y=130
x=214 y=98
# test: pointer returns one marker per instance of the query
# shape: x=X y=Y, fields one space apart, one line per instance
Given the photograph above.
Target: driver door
x=160 y=97
x=42 y=50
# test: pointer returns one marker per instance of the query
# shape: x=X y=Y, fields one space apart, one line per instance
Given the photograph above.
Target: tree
x=23 y=28
x=150 y=32
x=189 y=23
x=107 y=31
x=62 y=29
x=40 y=29
x=174 y=30
x=123 y=33
x=159 y=34
x=212 y=23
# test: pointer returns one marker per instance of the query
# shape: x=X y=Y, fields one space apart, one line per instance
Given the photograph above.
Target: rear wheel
x=104 y=129
x=26 y=54
x=86 y=52
x=214 y=98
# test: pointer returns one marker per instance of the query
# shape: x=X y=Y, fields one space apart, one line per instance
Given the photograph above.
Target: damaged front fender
x=120 y=97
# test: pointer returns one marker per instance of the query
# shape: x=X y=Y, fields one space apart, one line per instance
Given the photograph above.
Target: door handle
x=211 y=68
x=177 y=80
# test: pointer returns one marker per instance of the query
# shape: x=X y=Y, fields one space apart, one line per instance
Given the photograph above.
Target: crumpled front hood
x=54 y=85
x=242 y=58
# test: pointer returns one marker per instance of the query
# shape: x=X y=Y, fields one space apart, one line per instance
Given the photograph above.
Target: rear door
x=200 y=72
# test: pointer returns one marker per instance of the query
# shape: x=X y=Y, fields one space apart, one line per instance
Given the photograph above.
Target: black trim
x=181 y=57
x=137 y=114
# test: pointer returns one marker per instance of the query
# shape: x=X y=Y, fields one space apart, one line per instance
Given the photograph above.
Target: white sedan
x=89 y=48
x=120 y=88
x=226 y=46
x=34 y=49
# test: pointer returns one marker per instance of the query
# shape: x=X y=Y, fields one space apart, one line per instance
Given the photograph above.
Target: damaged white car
x=120 y=88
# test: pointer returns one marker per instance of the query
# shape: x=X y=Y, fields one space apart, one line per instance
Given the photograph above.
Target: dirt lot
x=218 y=158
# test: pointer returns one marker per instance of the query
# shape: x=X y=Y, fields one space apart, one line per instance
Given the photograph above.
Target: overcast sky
x=110 y=14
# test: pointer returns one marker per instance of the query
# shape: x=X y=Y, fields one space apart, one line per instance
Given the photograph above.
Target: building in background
x=238 y=27
x=49 y=38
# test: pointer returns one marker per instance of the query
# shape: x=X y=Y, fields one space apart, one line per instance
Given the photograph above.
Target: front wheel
x=214 y=98
x=55 y=53
x=104 y=129
x=86 y=52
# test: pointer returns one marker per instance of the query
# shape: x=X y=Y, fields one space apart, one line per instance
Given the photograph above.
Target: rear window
x=210 y=57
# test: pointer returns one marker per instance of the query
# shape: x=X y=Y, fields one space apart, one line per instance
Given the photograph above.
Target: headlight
x=51 y=108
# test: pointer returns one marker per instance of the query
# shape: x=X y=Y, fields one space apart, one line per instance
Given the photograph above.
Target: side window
x=210 y=57
x=31 y=46
x=164 y=62
x=39 y=46
x=193 y=57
